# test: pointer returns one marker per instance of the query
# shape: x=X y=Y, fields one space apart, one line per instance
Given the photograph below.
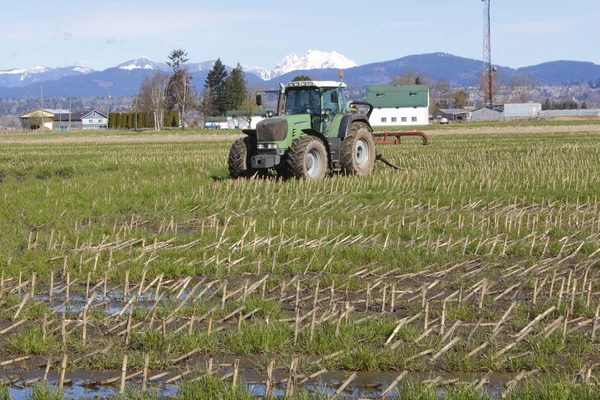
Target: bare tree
x=521 y=87
x=410 y=77
x=10 y=122
x=153 y=96
x=249 y=106
x=441 y=92
x=180 y=91
x=205 y=105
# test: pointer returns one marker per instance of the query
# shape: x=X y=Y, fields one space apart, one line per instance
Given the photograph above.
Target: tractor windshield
x=303 y=101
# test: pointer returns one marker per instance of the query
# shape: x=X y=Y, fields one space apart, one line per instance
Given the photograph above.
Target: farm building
x=399 y=105
x=557 y=114
x=514 y=111
x=487 y=114
x=452 y=114
x=63 y=120
x=508 y=112
x=37 y=118
x=238 y=119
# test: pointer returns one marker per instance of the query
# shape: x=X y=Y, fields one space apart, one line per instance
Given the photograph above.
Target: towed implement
x=315 y=130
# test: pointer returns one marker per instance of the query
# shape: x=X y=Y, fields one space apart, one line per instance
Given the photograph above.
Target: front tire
x=357 y=153
x=307 y=159
x=239 y=158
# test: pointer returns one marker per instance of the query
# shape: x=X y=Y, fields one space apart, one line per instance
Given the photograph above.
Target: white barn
x=399 y=105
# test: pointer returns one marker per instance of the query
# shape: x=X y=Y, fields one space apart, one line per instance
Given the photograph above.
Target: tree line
x=162 y=93
x=563 y=105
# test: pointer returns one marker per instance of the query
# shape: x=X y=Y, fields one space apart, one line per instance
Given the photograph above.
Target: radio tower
x=487 y=81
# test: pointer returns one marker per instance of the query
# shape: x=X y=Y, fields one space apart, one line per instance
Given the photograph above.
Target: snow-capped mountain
x=312 y=59
x=23 y=77
x=201 y=66
x=143 y=63
x=262 y=72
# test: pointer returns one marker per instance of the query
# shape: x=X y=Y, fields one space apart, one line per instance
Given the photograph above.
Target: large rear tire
x=357 y=153
x=239 y=158
x=307 y=159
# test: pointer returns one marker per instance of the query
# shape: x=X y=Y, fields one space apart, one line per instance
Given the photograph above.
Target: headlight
x=268 y=146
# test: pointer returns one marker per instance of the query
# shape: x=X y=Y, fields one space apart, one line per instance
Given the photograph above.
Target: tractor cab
x=322 y=101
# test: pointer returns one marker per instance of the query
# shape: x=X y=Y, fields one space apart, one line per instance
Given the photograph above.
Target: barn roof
x=37 y=114
x=398 y=96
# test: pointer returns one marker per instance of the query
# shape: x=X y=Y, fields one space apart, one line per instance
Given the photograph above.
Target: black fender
x=250 y=132
x=347 y=120
x=312 y=132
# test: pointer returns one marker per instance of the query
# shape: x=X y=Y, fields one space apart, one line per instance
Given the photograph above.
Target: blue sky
x=103 y=34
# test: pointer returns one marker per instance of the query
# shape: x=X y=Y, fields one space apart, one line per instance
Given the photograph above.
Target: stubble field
x=131 y=263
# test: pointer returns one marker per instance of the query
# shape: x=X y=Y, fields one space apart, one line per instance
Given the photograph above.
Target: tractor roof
x=323 y=84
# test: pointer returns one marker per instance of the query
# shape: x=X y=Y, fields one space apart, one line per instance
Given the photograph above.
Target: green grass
x=487 y=204
x=45 y=392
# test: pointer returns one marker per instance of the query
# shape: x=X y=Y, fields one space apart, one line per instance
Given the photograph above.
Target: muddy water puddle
x=110 y=303
x=88 y=384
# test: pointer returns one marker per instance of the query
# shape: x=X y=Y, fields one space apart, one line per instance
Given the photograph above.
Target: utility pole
x=136 y=114
x=487 y=78
x=41 y=108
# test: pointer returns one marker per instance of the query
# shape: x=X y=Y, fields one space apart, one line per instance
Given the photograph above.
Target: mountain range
x=125 y=79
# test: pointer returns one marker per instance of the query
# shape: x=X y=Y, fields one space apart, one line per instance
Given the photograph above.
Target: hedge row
x=127 y=120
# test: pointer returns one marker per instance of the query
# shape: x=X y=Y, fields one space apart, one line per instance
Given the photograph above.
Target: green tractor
x=314 y=131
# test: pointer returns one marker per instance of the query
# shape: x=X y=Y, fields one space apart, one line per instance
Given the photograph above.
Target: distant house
x=399 y=105
x=94 y=120
x=63 y=120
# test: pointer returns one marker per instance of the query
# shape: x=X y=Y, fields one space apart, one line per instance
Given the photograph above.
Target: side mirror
x=258 y=100
x=334 y=97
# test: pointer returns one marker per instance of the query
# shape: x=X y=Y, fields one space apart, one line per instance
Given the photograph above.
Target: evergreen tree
x=546 y=105
x=215 y=81
x=584 y=106
x=112 y=118
x=177 y=58
x=300 y=78
x=235 y=89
